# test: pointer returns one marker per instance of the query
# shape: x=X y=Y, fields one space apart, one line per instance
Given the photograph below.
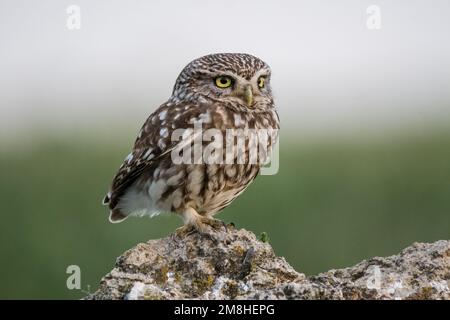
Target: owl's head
x=237 y=79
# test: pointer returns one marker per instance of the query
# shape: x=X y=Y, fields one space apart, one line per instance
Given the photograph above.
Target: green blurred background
x=332 y=204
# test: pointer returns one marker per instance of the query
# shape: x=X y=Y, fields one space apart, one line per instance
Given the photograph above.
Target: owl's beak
x=248 y=96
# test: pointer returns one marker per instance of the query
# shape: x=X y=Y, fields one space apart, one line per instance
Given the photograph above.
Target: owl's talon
x=214 y=223
x=225 y=226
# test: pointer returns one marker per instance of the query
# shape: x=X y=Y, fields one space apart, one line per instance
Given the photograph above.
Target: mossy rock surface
x=235 y=264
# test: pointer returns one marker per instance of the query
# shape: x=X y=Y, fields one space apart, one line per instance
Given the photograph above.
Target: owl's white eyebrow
x=262 y=72
x=259 y=73
x=221 y=73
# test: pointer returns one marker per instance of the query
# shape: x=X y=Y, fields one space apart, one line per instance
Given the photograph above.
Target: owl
x=215 y=94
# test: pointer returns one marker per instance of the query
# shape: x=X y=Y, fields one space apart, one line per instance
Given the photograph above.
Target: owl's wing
x=153 y=142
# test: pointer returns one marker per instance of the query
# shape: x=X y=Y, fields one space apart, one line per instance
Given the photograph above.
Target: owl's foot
x=213 y=223
x=204 y=225
x=200 y=227
x=196 y=222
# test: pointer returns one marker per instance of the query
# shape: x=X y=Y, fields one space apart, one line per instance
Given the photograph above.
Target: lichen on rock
x=234 y=264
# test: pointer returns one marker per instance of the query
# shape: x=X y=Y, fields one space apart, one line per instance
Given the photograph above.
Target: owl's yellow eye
x=223 y=82
x=261 y=82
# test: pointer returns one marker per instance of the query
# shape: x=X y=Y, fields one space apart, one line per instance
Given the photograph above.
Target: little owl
x=219 y=93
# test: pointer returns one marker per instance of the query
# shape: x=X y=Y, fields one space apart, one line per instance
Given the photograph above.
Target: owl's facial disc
x=247 y=92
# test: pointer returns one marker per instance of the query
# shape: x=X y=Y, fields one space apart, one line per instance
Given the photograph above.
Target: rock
x=234 y=264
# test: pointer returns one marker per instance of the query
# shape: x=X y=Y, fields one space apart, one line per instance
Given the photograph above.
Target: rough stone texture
x=234 y=264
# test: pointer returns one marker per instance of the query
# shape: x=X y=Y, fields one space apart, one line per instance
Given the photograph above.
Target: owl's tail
x=115 y=215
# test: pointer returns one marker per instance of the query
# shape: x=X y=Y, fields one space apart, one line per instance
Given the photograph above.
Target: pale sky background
x=331 y=74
